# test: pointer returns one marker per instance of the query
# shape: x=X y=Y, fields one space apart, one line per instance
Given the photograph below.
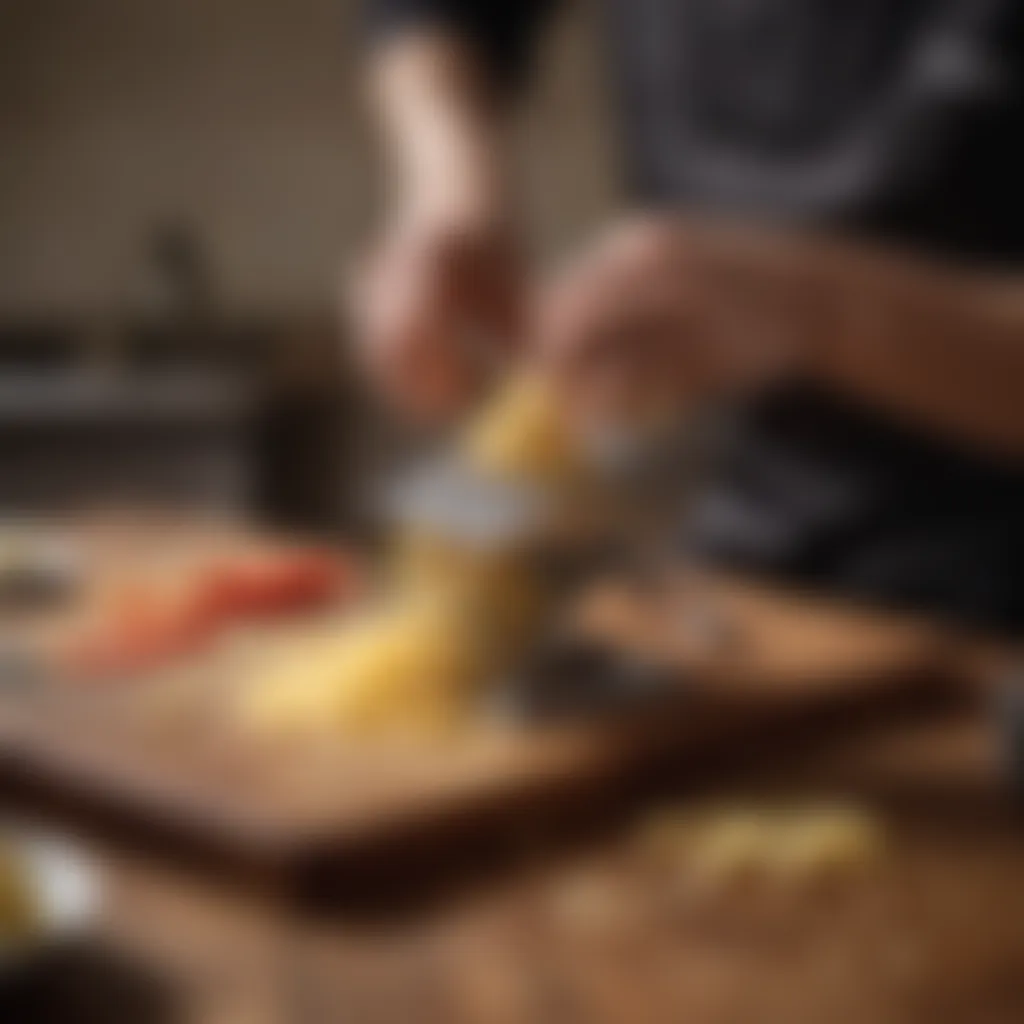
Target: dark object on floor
x=85 y=984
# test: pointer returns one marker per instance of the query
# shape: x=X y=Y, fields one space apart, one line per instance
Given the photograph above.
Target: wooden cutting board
x=151 y=761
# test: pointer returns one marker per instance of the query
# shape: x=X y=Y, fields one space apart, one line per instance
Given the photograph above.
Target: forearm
x=441 y=125
x=942 y=348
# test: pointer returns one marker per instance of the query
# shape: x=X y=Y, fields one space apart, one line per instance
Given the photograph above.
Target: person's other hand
x=647 y=321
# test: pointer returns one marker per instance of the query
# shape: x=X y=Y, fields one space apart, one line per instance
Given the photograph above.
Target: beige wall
x=234 y=115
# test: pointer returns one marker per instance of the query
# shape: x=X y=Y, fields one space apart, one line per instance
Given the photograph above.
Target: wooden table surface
x=934 y=934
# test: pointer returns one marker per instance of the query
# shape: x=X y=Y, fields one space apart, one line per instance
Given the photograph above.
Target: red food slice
x=144 y=624
x=279 y=583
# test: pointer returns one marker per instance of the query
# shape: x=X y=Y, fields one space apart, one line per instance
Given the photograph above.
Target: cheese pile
x=797 y=845
x=453 y=614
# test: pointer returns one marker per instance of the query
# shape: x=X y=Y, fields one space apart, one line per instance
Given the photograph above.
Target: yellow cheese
x=455 y=614
x=799 y=845
x=523 y=433
x=730 y=848
x=410 y=661
x=826 y=842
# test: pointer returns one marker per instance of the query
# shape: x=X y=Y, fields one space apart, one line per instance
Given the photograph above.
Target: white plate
x=65 y=887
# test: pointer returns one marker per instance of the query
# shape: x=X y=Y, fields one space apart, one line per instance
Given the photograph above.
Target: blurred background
x=183 y=184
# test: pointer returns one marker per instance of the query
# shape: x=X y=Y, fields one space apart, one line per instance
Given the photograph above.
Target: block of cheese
x=523 y=432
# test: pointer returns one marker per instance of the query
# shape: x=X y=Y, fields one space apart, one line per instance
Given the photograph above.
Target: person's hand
x=435 y=303
x=439 y=294
x=649 y=320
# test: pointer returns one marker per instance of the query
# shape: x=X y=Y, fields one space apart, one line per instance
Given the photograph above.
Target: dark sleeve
x=502 y=31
